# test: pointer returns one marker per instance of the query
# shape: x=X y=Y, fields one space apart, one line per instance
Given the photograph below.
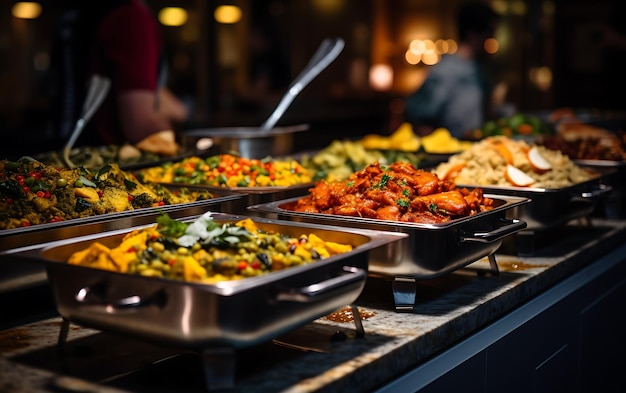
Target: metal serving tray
x=234 y=313
x=430 y=250
x=552 y=207
x=15 y=274
x=223 y=201
x=613 y=175
x=214 y=318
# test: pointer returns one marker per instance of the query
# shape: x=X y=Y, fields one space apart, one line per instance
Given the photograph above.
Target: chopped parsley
x=384 y=180
x=402 y=202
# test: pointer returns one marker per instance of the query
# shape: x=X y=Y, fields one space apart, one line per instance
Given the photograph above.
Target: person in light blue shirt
x=455 y=91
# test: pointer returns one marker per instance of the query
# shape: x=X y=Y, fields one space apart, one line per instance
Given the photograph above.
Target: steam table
x=544 y=319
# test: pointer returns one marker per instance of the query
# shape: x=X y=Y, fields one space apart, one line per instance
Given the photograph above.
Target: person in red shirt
x=121 y=40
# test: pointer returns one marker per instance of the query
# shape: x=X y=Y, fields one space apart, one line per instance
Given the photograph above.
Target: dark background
x=211 y=65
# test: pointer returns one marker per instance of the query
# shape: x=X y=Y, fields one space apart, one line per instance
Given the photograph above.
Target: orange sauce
x=345 y=315
x=516 y=265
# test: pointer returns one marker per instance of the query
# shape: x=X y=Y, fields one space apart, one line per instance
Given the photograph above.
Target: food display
x=398 y=192
x=343 y=157
x=33 y=193
x=440 y=141
x=340 y=159
x=450 y=229
x=503 y=161
x=519 y=124
x=228 y=170
x=583 y=141
x=205 y=251
x=402 y=139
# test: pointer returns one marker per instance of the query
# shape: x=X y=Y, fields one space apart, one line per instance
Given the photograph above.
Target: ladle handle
x=327 y=52
x=96 y=93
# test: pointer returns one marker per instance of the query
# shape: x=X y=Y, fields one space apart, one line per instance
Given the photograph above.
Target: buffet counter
x=466 y=330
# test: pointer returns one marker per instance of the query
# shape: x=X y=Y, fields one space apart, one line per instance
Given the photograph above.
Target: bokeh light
x=26 y=10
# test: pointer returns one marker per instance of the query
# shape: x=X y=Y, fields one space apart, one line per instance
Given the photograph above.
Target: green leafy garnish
x=170 y=227
x=207 y=232
x=384 y=180
x=103 y=170
x=87 y=182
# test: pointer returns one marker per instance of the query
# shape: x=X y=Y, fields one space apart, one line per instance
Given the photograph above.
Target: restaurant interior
x=514 y=281
x=545 y=55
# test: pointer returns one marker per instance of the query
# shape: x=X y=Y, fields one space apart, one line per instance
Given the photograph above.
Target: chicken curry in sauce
x=397 y=192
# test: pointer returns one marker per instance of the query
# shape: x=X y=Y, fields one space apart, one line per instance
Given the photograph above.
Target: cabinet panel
x=603 y=342
x=539 y=356
x=467 y=377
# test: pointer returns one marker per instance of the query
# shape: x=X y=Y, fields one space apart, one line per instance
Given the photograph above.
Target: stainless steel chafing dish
x=223 y=201
x=551 y=207
x=215 y=318
x=15 y=274
x=614 y=175
x=430 y=250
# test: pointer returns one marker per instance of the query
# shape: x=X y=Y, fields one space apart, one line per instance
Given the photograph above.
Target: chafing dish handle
x=509 y=226
x=92 y=297
x=325 y=289
x=592 y=195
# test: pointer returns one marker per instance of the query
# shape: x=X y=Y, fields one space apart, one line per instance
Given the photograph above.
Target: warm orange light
x=227 y=14
x=441 y=46
x=491 y=45
x=26 y=10
x=417 y=47
x=412 y=57
x=173 y=16
x=381 y=77
x=541 y=77
x=452 y=46
x=430 y=57
x=428 y=51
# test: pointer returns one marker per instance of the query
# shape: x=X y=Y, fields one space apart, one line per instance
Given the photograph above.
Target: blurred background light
x=491 y=46
x=227 y=14
x=173 y=16
x=26 y=10
x=381 y=77
x=541 y=77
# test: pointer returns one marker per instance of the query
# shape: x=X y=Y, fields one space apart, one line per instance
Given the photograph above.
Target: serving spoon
x=98 y=88
x=327 y=52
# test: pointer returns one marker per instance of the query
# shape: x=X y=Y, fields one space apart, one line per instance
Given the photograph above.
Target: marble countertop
x=326 y=355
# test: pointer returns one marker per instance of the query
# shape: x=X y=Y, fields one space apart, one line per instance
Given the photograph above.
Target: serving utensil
x=327 y=52
x=98 y=88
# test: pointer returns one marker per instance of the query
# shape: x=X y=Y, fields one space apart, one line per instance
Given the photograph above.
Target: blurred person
x=121 y=40
x=456 y=92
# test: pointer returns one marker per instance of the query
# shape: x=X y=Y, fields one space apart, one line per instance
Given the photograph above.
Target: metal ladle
x=328 y=51
x=98 y=88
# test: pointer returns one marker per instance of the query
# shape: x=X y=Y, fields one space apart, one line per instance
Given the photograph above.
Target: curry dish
x=33 y=193
x=399 y=192
x=206 y=251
